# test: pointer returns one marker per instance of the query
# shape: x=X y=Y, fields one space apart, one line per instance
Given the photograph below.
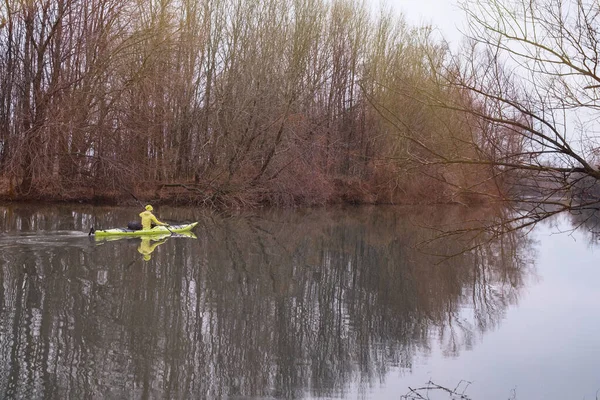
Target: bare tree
x=515 y=109
x=531 y=72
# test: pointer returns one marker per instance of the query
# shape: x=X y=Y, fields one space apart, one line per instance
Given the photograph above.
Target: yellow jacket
x=148 y=219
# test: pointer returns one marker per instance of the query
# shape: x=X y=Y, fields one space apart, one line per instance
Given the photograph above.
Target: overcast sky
x=443 y=14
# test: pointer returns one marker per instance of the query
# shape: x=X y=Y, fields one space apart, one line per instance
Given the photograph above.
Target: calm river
x=351 y=303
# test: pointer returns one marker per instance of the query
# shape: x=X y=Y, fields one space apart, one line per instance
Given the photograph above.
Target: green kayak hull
x=157 y=230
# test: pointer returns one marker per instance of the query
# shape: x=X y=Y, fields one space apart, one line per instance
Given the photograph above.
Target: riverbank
x=242 y=195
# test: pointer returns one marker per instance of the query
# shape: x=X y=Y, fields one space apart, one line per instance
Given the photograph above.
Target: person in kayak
x=148 y=219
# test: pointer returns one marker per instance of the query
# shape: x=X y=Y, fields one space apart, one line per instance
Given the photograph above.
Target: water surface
x=342 y=303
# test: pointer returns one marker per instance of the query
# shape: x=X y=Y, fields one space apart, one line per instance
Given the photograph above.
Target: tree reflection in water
x=279 y=304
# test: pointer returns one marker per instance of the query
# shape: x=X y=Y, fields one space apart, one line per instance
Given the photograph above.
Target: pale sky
x=443 y=14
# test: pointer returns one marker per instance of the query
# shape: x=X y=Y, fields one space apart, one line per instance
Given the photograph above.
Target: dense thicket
x=220 y=101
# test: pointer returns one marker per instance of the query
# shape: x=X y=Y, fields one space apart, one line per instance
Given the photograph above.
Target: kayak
x=157 y=230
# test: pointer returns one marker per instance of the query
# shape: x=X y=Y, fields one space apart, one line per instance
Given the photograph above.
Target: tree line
x=225 y=102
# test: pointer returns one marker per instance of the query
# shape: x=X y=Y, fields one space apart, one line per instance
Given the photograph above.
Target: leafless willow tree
x=538 y=87
x=520 y=98
x=537 y=92
x=425 y=133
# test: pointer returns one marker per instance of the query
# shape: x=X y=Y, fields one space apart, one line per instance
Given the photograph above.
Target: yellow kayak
x=157 y=230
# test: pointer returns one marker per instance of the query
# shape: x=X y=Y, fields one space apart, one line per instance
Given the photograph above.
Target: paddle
x=167 y=226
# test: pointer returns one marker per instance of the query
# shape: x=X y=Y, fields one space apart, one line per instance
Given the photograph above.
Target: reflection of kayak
x=147 y=242
x=154 y=237
x=156 y=231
